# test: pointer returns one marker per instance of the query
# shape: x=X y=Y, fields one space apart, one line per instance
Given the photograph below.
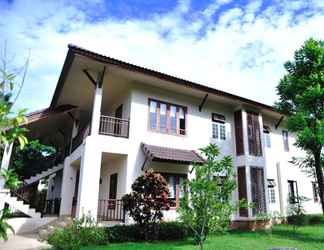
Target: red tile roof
x=157 y=153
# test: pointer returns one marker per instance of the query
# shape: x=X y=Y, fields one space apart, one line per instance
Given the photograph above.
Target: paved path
x=23 y=242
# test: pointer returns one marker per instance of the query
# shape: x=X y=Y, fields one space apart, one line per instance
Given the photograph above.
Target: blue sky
x=236 y=46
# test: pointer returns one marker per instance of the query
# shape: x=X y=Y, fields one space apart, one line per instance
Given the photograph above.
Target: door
x=118 y=121
x=113 y=190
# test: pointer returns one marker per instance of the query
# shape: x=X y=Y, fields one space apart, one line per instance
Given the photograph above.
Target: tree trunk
x=319 y=176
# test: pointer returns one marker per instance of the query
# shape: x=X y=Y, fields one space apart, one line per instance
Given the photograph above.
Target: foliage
x=11 y=179
x=4 y=225
x=10 y=122
x=132 y=233
x=301 y=95
x=314 y=219
x=207 y=206
x=296 y=214
x=82 y=232
x=307 y=164
x=145 y=203
x=34 y=154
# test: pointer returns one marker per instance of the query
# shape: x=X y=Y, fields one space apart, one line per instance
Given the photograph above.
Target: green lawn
x=305 y=238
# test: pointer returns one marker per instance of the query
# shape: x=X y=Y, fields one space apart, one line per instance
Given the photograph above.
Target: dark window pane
x=182 y=121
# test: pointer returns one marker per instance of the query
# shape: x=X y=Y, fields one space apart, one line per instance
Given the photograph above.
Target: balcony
x=114 y=126
x=111 y=210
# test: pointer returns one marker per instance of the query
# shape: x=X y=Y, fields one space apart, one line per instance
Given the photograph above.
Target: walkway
x=23 y=242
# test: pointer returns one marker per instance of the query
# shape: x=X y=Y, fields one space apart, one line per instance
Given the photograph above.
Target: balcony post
x=96 y=108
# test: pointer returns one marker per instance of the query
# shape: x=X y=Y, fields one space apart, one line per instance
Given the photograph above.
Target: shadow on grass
x=298 y=235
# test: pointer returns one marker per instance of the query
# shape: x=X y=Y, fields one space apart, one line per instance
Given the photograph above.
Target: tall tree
x=301 y=93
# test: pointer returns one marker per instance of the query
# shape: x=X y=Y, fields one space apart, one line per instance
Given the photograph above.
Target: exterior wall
x=275 y=155
x=198 y=134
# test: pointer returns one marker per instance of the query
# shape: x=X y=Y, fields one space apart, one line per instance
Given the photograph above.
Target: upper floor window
x=218 y=127
x=254 y=135
x=267 y=139
x=285 y=140
x=167 y=118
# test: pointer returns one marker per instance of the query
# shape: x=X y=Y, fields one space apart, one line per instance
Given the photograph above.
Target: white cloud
x=242 y=52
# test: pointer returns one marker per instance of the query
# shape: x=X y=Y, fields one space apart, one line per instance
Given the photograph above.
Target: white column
x=96 y=111
x=68 y=185
x=89 y=179
x=5 y=161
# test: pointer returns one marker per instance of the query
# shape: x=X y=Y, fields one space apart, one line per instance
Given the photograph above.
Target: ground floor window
x=258 y=191
x=176 y=187
x=292 y=192
x=271 y=191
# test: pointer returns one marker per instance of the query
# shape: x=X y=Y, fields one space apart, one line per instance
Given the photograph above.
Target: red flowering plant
x=146 y=202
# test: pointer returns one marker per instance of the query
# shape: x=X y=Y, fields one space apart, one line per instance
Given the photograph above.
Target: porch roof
x=157 y=153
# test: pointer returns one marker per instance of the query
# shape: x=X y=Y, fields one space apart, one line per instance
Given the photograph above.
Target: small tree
x=207 y=206
x=147 y=200
x=296 y=212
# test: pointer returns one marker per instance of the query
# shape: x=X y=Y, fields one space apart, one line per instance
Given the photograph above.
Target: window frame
x=168 y=129
x=292 y=198
x=177 y=178
x=219 y=121
x=285 y=138
x=254 y=134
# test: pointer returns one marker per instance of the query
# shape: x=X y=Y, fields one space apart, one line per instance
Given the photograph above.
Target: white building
x=112 y=120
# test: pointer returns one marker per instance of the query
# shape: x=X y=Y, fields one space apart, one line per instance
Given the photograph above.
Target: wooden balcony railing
x=114 y=126
x=52 y=206
x=111 y=210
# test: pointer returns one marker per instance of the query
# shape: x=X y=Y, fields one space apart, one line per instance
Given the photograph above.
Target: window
x=254 y=138
x=176 y=188
x=167 y=118
x=271 y=191
x=242 y=193
x=285 y=140
x=315 y=191
x=218 y=127
x=239 y=132
x=258 y=191
x=267 y=139
x=292 y=192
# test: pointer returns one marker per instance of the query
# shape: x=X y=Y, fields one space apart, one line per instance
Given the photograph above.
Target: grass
x=305 y=238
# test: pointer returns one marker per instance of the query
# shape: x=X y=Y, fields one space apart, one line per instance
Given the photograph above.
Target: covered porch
x=98 y=194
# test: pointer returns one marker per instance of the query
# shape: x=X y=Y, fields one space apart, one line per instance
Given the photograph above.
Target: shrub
x=315 y=219
x=173 y=231
x=149 y=197
x=131 y=233
x=82 y=232
x=64 y=239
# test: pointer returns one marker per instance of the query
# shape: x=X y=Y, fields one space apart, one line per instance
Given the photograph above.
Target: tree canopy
x=301 y=95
